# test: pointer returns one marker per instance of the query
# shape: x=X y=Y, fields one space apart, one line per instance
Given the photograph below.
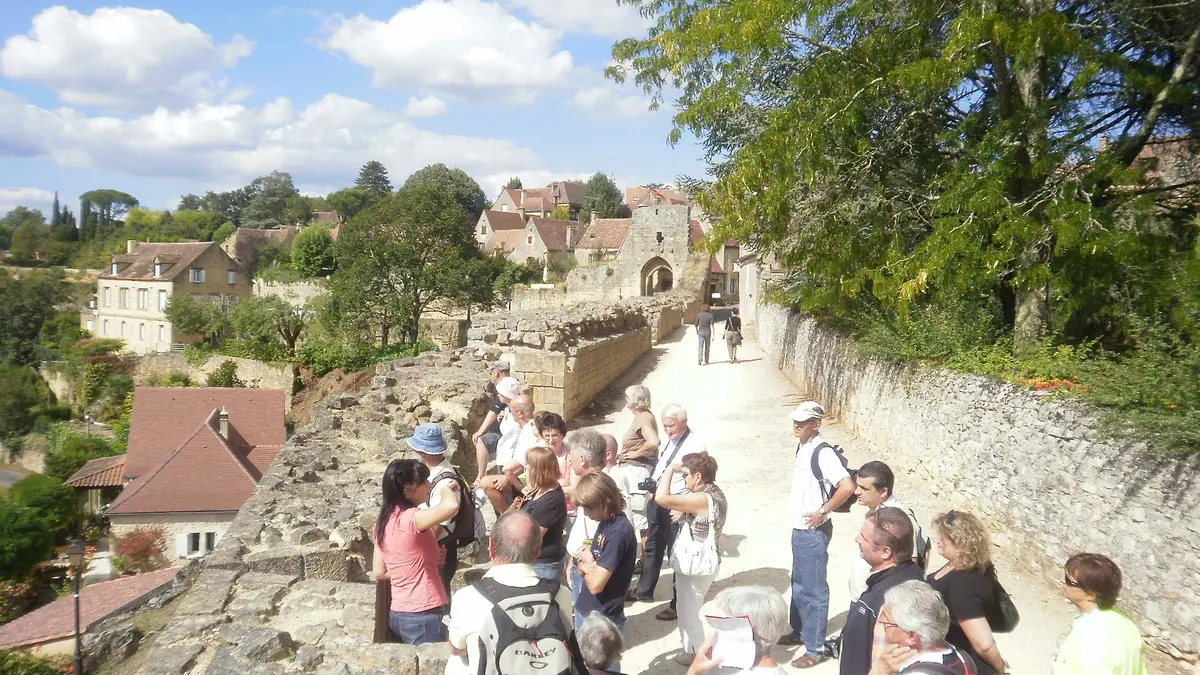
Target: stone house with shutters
x=541 y=201
x=132 y=294
x=195 y=456
x=602 y=240
x=492 y=222
x=547 y=242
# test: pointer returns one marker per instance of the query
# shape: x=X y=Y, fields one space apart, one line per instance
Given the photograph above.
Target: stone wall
x=448 y=333
x=254 y=373
x=296 y=294
x=56 y=379
x=1047 y=481
x=172 y=524
x=285 y=591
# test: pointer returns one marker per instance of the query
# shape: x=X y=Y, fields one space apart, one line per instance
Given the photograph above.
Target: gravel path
x=740 y=410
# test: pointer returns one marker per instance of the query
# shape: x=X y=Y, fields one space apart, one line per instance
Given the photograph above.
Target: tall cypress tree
x=55 y=214
x=86 y=224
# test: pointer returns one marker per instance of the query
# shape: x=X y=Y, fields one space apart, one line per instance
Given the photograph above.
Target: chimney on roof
x=571 y=235
x=223 y=423
x=130 y=245
x=594 y=216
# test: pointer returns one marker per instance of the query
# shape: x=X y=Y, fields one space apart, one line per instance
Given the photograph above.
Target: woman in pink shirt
x=406 y=551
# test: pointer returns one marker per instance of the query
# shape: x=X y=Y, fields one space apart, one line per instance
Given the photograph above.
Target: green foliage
x=195 y=317
x=225 y=375
x=268 y=207
x=602 y=197
x=259 y=350
x=120 y=427
x=324 y=356
x=513 y=183
x=16 y=597
x=141 y=550
x=198 y=225
x=274 y=254
x=24 y=541
x=172 y=379
x=46 y=496
x=106 y=207
x=350 y=202
x=16 y=662
x=562 y=212
x=455 y=182
x=374 y=177
x=224 y=231
x=75 y=450
x=269 y=319
x=298 y=210
x=514 y=275
x=312 y=252
x=198 y=353
x=26 y=304
x=21 y=393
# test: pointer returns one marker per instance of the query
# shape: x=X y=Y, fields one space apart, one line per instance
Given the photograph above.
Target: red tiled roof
x=537 y=204
x=714 y=266
x=97 y=473
x=96 y=602
x=695 y=232
x=175 y=258
x=641 y=196
x=206 y=473
x=505 y=240
x=605 y=233
x=504 y=220
x=554 y=232
x=570 y=192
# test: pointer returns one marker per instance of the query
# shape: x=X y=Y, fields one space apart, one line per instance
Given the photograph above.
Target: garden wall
x=257 y=374
x=1036 y=468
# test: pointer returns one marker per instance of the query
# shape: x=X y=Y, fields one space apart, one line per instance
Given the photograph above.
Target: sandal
x=809 y=659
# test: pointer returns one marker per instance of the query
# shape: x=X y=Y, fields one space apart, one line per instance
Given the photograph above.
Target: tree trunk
x=384 y=329
x=1033 y=313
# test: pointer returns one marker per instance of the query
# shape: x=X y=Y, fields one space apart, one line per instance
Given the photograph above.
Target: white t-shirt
x=515 y=445
x=861 y=569
x=806 y=497
x=668 y=456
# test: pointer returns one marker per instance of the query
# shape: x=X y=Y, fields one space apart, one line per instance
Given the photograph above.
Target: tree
x=21 y=391
x=108 y=206
x=408 y=250
x=466 y=191
x=195 y=317
x=190 y=202
x=268 y=206
x=49 y=498
x=274 y=254
x=350 y=202
x=298 y=210
x=24 y=541
x=601 y=196
x=373 y=176
x=222 y=233
x=87 y=219
x=312 y=252
x=513 y=183
x=25 y=305
x=76 y=451
x=199 y=225
x=55 y=213
x=268 y=318
x=225 y=375
x=562 y=212
x=904 y=153
x=26 y=242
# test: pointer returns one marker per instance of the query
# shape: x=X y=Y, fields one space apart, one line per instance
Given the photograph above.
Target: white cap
x=809 y=410
x=509 y=387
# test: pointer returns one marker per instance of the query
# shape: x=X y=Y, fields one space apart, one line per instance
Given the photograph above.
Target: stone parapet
x=1048 y=483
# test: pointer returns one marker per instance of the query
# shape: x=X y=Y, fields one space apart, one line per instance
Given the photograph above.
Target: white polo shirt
x=673 y=453
x=806 y=497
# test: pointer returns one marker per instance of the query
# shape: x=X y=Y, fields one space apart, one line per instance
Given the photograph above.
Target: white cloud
x=609 y=99
x=323 y=143
x=121 y=58
x=427 y=106
x=34 y=198
x=458 y=47
x=598 y=17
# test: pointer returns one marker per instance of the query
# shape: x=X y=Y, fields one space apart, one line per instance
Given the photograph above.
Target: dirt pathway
x=740 y=410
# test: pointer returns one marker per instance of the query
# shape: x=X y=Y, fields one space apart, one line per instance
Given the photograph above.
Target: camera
x=649 y=485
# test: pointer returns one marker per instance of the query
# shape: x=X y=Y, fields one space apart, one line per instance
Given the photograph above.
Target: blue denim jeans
x=810 y=589
x=703 y=342
x=417 y=628
x=550 y=571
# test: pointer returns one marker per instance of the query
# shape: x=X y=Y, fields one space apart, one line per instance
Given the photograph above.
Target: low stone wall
x=296 y=294
x=285 y=590
x=1048 y=483
x=58 y=382
x=448 y=333
x=254 y=373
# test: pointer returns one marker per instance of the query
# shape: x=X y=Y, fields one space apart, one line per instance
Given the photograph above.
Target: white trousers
x=690 y=591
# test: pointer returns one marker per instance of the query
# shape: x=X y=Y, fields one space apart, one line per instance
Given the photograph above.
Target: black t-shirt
x=498 y=407
x=615 y=548
x=969 y=594
x=550 y=511
x=733 y=323
x=859 y=633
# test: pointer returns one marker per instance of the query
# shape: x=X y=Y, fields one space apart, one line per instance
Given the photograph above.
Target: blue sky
x=164 y=99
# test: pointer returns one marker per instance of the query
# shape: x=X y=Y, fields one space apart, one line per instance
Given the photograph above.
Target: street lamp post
x=88 y=419
x=75 y=555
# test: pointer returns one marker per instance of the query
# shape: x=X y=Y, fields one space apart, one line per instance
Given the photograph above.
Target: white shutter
x=181 y=544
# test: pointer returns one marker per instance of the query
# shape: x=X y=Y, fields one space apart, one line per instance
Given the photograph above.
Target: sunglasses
x=951 y=516
x=1070 y=582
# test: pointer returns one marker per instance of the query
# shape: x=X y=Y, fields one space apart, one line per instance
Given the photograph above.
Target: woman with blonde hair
x=967 y=583
x=544 y=499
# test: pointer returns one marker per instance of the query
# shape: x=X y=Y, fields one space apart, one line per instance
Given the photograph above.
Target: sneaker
x=791 y=640
x=667 y=614
x=684 y=658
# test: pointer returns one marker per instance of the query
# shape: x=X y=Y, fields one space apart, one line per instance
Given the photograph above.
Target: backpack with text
x=525 y=633
x=826 y=493
x=469 y=516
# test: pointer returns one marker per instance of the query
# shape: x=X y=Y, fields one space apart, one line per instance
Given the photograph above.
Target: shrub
x=21 y=393
x=325 y=356
x=49 y=498
x=225 y=376
x=142 y=549
x=16 y=597
x=198 y=353
x=25 y=541
x=74 y=452
x=15 y=662
x=259 y=350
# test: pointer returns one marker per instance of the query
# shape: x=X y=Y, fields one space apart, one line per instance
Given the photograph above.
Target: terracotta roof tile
x=96 y=602
x=714 y=266
x=505 y=220
x=554 y=232
x=605 y=233
x=103 y=472
x=570 y=192
x=641 y=196
x=141 y=261
x=695 y=232
x=505 y=240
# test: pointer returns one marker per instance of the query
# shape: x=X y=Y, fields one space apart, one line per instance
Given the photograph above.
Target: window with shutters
x=123 y=298
x=193 y=543
x=143 y=298
x=232 y=277
x=162 y=301
x=107 y=297
x=196 y=276
x=210 y=542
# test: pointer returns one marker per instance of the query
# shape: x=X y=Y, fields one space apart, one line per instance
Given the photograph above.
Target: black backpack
x=462 y=527
x=524 y=632
x=816 y=470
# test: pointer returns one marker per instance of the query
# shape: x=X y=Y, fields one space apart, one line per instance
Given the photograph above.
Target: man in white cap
x=820 y=484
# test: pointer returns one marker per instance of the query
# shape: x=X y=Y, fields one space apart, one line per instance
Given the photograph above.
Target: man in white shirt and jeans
x=810 y=504
x=680 y=442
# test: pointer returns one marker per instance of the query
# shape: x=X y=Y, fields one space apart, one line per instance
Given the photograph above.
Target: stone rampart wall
x=1047 y=481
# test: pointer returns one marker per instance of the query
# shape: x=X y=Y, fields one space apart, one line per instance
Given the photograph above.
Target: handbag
x=698 y=558
x=1002 y=616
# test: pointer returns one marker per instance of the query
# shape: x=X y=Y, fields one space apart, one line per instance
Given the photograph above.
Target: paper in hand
x=734 y=645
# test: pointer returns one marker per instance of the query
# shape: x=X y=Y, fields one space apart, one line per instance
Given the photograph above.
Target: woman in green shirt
x=1103 y=641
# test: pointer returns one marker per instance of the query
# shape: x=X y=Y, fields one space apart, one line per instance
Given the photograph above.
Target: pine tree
x=55 y=214
x=87 y=225
x=374 y=177
x=513 y=183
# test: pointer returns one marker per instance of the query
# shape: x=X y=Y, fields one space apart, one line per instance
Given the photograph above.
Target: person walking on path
x=968 y=585
x=810 y=503
x=660 y=536
x=606 y=561
x=885 y=542
x=544 y=499
x=406 y=551
x=429 y=443
x=704 y=324
x=1103 y=641
x=704 y=509
x=733 y=334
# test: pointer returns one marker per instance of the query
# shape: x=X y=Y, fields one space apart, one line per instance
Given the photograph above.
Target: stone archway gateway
x=657 y=276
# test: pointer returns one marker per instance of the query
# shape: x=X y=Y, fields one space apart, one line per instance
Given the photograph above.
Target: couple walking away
x=732 y=334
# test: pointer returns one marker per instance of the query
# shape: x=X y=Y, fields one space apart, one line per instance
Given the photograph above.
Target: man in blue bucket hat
x=429 y=443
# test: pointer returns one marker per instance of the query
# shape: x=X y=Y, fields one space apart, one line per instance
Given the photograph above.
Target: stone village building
x=245 y=244
x=541 y=201
x=195 y=456
x=132 y=294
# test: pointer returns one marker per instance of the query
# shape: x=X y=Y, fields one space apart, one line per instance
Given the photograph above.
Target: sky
x=165 y=99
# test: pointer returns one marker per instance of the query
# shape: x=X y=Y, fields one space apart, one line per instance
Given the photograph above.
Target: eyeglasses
x=685 y=474
x=1070 y=582
x=950 y=516
x=885 y=624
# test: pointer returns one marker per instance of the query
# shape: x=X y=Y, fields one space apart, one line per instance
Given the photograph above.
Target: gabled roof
x=570 y=192
x=714 y=266
x=175 y=258
x=695 y=232
x=504 y=220
x=554 y=232
x=605 y=233
x=99 y=473
x=245 y=244
x=164 y=417
x=643 y=196
x=96 y=602
x=505 y=240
